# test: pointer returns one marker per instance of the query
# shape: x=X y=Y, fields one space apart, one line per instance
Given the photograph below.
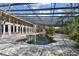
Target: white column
x=29 y=29
x=34 y=29
x=9 y=29
x=3 y=29
x=17 y=28
x=26 y=29
x=22 y=29
x=13 y=28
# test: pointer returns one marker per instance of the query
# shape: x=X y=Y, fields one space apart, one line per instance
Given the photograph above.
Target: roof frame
x=76 y=7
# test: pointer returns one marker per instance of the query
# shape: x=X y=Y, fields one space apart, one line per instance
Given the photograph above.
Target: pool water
x=40 y=40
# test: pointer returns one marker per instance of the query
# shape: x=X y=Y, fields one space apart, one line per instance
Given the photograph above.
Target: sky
x=35 y=6
x=38 y=6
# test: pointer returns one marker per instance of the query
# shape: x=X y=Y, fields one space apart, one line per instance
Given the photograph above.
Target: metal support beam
x=43 y=13
x=14 y=4
x=44 y=16
x=76 y=7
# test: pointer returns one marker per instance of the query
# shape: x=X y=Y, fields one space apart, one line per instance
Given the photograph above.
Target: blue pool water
x=40 y=40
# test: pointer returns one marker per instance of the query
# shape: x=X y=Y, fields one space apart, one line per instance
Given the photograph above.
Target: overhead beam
x=43 y=13
x=76 y=7
x=14 y=4
x=47 y=24
x=46 y=16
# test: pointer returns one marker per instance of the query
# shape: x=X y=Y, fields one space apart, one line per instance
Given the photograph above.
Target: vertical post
x=3 y=25
x=52 y=13
x=3 y=29
x=13 y=28
x=1 y=20
x=0 y=28
x=71 y=5
x=17 y=27
x=29 y=29
x=22 y=29
x=9 y=27
x=35 y=39
x=26 y=29
x=35 y=28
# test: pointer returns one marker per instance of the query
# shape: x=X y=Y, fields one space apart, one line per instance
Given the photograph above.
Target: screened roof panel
x=50 y=13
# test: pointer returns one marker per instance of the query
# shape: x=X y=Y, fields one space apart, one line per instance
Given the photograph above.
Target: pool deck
x=63 y=47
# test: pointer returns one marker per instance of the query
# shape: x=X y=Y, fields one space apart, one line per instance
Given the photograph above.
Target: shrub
x=51 y=30
x=73 y=30
x=62 y=30
x=77 y=39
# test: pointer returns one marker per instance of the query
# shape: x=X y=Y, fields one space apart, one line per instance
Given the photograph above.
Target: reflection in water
x=39 y=40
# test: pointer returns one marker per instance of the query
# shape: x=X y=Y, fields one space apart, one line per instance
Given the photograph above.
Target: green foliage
x=77 y=35
x=62 y=30
x=51 y=30
x=77 y=19
x=74 y=30
x=77 y=39
x=73 y=27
